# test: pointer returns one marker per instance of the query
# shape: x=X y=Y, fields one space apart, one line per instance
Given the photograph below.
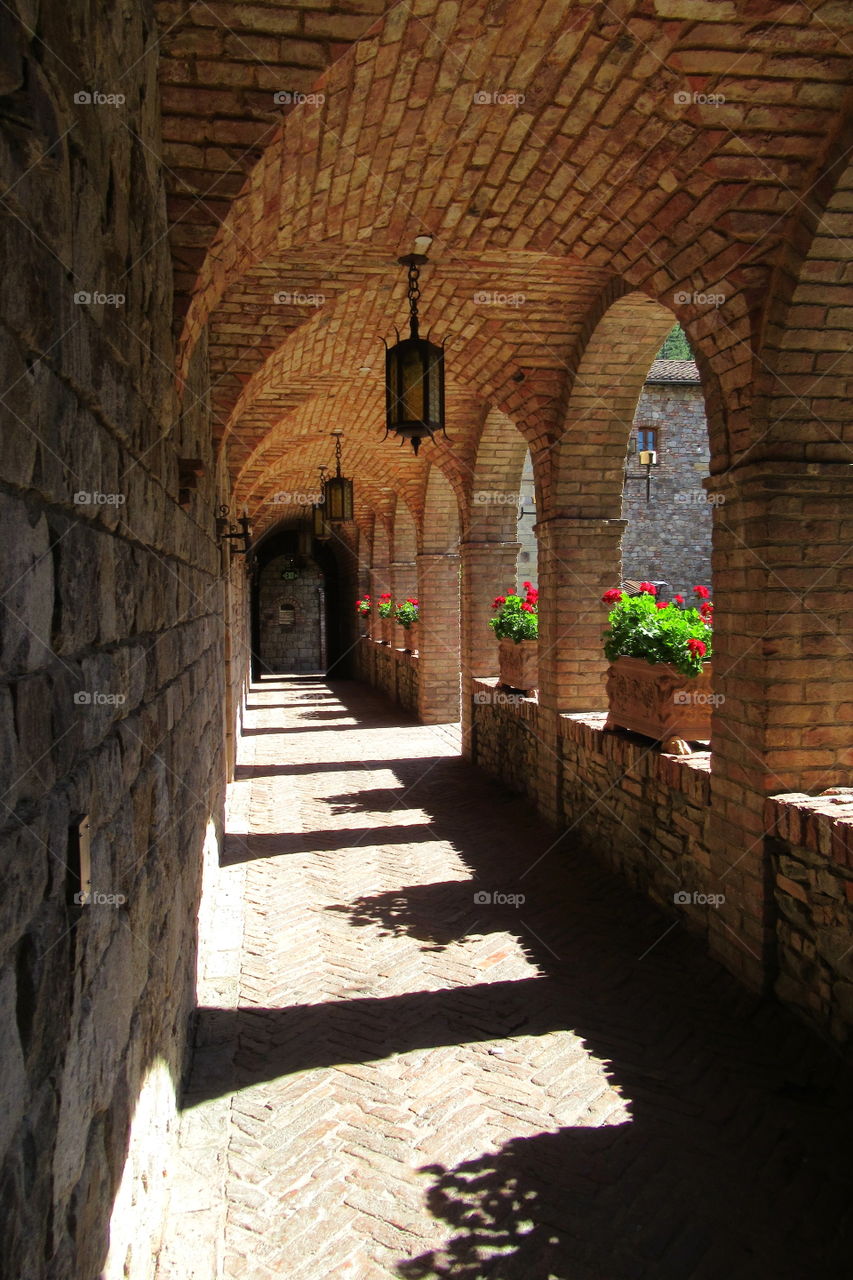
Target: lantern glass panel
x=338 y=499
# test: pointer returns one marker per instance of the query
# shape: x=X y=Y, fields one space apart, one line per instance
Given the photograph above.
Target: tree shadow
x=439 y=914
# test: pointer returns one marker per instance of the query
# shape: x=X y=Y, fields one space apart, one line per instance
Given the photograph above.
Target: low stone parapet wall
x=393 y=672
x=810 y=864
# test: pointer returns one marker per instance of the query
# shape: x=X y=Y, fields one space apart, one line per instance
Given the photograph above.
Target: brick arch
x=440 y=523
x=640 y=208
x=496 y=480
x=802 y=408
x=584 y=473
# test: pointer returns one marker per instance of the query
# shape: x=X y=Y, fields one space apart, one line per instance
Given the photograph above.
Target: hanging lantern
x=414 y=375
x=321 y=529
x=339 y=496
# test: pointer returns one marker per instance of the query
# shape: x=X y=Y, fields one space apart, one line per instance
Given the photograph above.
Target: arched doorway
x=297 y=624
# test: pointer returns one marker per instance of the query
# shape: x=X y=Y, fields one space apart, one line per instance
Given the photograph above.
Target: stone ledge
x=401 y=655
x=525 y=705
x=690 y=774
x=822 y=824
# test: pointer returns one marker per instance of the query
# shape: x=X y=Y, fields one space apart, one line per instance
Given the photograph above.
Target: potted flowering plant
x=659 y=679
x=385 y=609
x=362 y=608
x=516 y=625
x=408 y=617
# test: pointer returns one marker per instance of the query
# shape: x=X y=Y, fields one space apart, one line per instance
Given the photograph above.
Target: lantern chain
x=414 y=291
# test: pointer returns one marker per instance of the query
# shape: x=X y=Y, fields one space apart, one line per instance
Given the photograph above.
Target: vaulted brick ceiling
x=671 y=142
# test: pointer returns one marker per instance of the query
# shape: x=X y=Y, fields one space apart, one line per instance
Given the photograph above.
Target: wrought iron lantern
x=321 y=529
x=339 y=497
x=414 y=375
x=226 y=531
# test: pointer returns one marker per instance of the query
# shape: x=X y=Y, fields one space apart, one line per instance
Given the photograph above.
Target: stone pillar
x=783 y=639
x=438 y=639
x=488 y=569
x=579 y=558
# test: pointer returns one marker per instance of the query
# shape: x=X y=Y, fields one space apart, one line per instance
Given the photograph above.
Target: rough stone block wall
x=391 y=671
x=295 y=647
x=503 y=733
x=810 y=864
x=111 y=650
x=668 y=538
x=644 y=813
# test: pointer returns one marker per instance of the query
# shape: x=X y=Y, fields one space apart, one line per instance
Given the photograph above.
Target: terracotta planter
x=386 y=630
x=658 y=701
x=407 y=638
x=364 y=620
x=519 y=665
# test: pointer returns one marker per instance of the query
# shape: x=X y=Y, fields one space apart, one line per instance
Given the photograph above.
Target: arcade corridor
x=396 y=1078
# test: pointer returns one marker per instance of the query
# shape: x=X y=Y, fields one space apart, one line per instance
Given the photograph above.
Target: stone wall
x=668 y=538
x=503 y=734
x=643 y=812
x=392 y=671
x=810 y=868
x=297 y=645
x=111 y=698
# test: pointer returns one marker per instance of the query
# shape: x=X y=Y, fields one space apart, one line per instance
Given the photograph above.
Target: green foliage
x=516 y=619
x=639 y=628
x=675 y=346
x=385 y=608
x=407 y=613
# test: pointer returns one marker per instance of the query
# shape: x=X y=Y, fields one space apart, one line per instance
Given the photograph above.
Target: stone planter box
x=656 y=700
x=386 y=630
x=519 y=666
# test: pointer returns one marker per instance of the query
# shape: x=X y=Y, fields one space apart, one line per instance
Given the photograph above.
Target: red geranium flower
x=527 y=585
x=498 y=601
x=702 y=592
x=678 y=599
x=528 y=607
x=611 y=596
x=697 y=646
x=662 y=604
x=647 y=589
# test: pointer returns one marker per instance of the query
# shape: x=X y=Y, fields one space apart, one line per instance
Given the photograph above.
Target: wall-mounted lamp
x=647 y=458
x=226 y=530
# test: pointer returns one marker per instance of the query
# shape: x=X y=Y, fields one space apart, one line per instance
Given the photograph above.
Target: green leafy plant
x=517 y=618
x=385 y=608
x=407 y=613
x=676 y=632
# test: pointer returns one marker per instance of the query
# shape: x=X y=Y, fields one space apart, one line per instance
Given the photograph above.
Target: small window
x=647 y=438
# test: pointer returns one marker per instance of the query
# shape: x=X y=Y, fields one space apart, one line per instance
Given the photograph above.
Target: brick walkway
x=393 y=1079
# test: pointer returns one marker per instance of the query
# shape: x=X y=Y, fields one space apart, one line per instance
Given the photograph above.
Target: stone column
x=488 y=569
x=783 y=677
x=438 y=640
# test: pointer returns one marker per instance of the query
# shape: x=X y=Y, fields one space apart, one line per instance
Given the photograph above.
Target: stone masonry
x=668 y=537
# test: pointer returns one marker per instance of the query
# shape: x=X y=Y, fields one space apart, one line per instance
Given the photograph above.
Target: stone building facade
x=292 y=617
x=668 y=537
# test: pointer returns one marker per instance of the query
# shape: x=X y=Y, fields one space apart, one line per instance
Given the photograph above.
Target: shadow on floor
x=727 y=1156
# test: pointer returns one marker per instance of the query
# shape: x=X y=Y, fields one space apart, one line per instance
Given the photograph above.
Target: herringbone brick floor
x=396 y=1079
